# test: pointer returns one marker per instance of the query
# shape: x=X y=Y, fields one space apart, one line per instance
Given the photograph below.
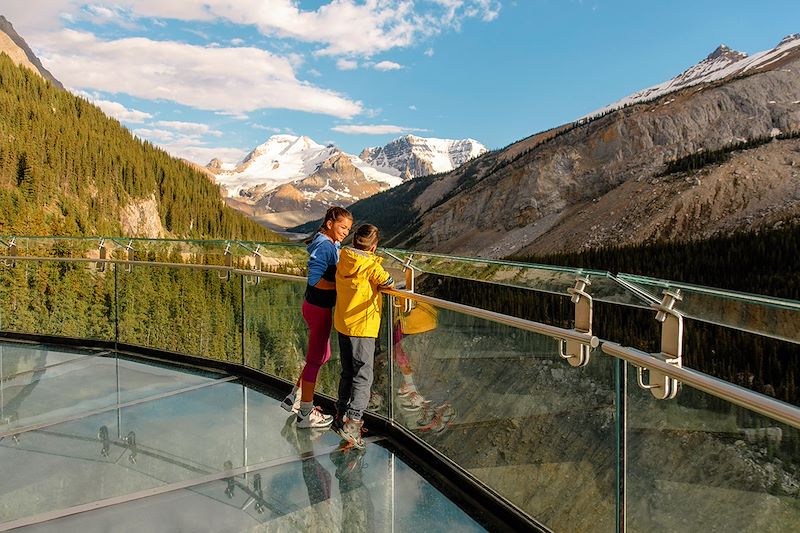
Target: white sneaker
x=406 y=389
x=291 y=404
x=314 y=419
x=413 y=402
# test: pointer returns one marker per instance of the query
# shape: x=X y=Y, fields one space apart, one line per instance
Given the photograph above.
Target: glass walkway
x=139 y=386
x=94 y=441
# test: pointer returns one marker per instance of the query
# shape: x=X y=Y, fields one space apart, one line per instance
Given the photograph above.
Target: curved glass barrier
x=579 y=449
x=773 y=317
x=183 y=310
x=541 y=278
x=57 y=298
x=699 y=463
x=501 y=403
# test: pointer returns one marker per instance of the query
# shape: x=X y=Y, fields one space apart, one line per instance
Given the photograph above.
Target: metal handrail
x=754 y=401
x=759 y=403
x=519 y=323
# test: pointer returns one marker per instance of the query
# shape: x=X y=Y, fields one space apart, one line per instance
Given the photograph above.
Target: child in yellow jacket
x=357 y=319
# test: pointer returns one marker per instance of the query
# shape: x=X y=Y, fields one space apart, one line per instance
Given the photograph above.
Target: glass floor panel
x=192 y=452
x=82 y=384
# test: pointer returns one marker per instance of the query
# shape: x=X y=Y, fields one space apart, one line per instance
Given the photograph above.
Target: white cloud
x=429 y=52
x=376 y=129
x=412 y=107
x=189 y=128
x=387 y=65
x=232 y=80
x=119 y=111
x=270 y=129
x=154 y=134
x=237 y=41
x=341 y=27
x=346 y=64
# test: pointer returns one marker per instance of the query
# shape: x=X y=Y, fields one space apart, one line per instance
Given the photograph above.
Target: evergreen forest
x=68 y=169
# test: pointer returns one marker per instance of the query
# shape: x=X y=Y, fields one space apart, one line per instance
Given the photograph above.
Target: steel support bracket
x=659 y=384
x=103 y=255
x=12 y=251
x=577 y=353
x=258 y=260
x=226 y=275
x=130 y=254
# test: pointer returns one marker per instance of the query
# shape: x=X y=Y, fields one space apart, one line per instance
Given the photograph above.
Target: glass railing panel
x=501 y=403
x=50 y=246
x=774 y=317
x=543 y=278
x=699 y=463
x=186 y=310
x=332 y=492
x=57 y=298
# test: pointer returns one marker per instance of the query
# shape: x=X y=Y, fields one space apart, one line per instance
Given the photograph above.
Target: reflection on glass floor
x=94 y=442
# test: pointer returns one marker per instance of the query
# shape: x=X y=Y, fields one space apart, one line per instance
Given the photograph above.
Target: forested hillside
x=68 y=169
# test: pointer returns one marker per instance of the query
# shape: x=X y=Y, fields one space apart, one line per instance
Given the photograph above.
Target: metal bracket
x=257 y=262
x=102 y=436
x=575 y=352
x=12 y=251
x=130 y=440
x=660 y=385
x=404 y=305
x=101 y=265
x=260 y=507
x=226 y=275
x=130 y=254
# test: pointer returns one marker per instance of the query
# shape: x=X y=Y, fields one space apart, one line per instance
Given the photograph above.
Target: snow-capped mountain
x=416 y=156
x=721 y=63
x=290 y=179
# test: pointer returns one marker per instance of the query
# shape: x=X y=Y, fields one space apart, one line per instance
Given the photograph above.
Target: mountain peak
x=725 y=52
x=789 y=38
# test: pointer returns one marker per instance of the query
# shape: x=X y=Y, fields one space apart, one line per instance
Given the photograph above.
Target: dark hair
x=366 y=236
x=333 y=214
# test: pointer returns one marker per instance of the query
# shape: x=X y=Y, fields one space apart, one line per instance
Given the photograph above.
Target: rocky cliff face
x=19 y=51
x=417 y=156
x=543 y=199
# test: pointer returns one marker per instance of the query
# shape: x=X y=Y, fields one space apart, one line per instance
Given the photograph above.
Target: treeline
x=702 y=158
x=763 y=262
x=68 y=169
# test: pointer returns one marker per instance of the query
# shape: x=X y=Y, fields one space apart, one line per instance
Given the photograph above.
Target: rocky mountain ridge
x=540 y=199
x=15 y=46
x=418 y=156
x=291 y=179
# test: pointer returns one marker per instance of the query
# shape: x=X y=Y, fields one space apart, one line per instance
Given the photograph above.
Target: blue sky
x=215 y=78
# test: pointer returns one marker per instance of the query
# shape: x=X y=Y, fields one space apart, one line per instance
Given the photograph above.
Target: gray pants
x=355 y=381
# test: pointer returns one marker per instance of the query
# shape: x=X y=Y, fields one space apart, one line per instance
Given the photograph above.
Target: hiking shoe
x=413 y=402
x=351 y=432
x=291 y=404
x=426 y=417
x=406 y=389
x=349 y=462
x=375 y=401
x=315 y=419
x=442 y=419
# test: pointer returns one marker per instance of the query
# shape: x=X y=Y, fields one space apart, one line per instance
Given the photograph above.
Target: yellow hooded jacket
x=359 y=276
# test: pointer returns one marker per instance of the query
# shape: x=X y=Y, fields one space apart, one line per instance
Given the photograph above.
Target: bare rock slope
x=596 y=183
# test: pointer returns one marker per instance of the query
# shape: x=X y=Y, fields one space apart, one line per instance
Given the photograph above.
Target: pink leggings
x=400 y=354
x=319 y=320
